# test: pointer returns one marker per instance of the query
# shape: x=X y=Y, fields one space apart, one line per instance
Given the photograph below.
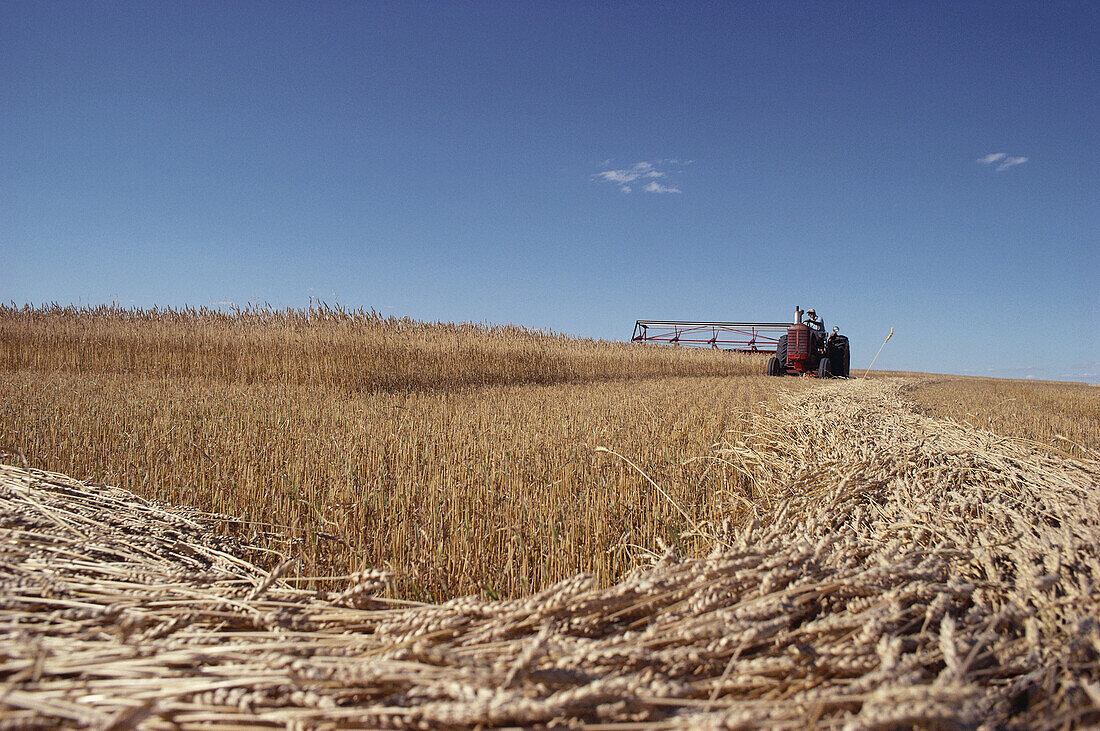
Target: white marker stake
x=876 y=354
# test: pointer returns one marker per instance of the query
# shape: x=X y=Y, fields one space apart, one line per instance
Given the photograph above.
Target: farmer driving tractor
x=814 y=321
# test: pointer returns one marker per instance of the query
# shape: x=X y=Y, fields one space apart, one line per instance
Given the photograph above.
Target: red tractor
x=806 y=349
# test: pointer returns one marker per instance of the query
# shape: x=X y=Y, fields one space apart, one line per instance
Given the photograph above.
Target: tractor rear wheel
x=839 y=356
x=823 y=369
x=773 y=367
x=781 y=353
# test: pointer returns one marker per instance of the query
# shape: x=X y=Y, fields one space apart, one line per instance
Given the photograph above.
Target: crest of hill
x=329 y=347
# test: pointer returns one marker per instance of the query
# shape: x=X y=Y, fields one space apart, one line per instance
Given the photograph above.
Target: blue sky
x=468 y=161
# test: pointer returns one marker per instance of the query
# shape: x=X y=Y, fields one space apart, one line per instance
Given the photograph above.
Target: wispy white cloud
x=640 y=172
x=655 y=187
x=1002 y=160
x=1010 y=161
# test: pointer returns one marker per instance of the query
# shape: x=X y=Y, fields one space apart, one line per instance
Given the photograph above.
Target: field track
x=901 y=570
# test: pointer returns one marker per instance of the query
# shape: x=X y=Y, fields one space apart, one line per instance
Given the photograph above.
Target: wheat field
x=325 y=348
x=896 y=571
x=1061 y=416
x=461 y=457
x=329 y=519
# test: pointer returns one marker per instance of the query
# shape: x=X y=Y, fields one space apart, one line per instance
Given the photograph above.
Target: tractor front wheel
x=781 y=352
x=823 y=369
x=773 y=367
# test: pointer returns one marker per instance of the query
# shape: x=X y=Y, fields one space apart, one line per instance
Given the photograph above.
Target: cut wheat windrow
x=888 y=569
